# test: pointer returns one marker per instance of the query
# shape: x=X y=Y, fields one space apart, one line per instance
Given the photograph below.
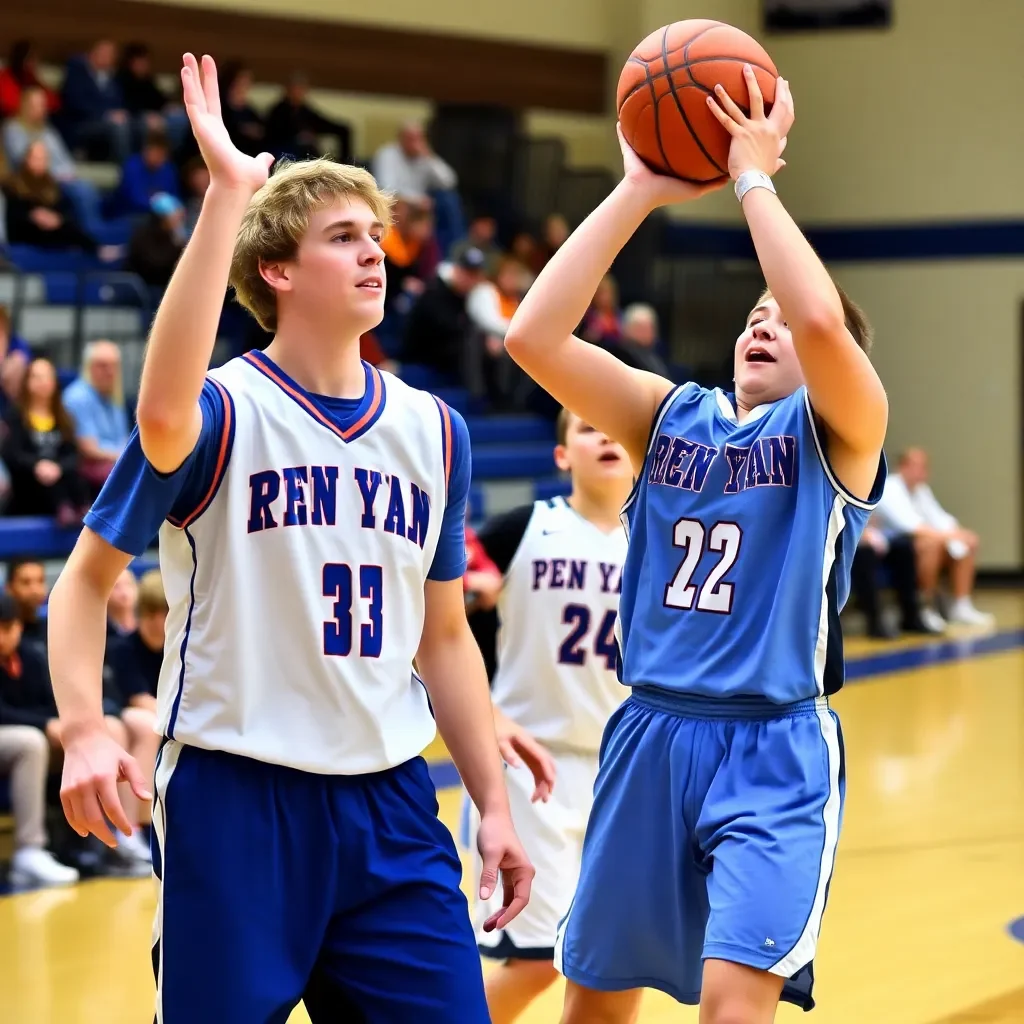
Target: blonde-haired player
x=311 y=515
x=556 y=678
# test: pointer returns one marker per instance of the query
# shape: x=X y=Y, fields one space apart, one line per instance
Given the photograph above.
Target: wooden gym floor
x=928 y=885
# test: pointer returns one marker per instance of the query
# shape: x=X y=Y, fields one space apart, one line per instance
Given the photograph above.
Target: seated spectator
x=145 y=101
x=14 y=359
x=294 y=127
x=438 y=329
x=143 y=176
x=482 y=235
x=525 y=248
x=157 y=242
x=139 y=657
x=556 y=231
x=96 y=404
x=92 y=116
x=482 y=581
x=26 y=698
x=638 y=345
x=410 y=169
x=26 y=586
x=245 y=126
x=411 y=255
x=909 y=508
x=602 y=323
x=196 y=177
x=41 y=453
x=121 y=621
x=874 y=551
x=38 y=211
x=25 y=760
x=18 y=74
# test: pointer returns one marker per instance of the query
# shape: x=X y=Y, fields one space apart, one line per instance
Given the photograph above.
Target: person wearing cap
x=26 y=700
x=438 y=329
x=158 y=241
x=25 y=759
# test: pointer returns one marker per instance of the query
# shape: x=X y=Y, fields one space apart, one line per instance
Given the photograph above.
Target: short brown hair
x=857 y=322
x=279 y=215
x=562 y=425
x=151 y=600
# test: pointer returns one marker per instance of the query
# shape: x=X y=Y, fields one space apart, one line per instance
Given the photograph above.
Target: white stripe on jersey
x=556 y=650
x=296 y=596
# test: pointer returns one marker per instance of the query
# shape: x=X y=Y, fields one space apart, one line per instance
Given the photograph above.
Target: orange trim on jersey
x=222 y=462
x=446 y=441
x=313 y=410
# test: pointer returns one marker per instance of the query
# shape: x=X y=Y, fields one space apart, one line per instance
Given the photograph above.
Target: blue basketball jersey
x=741 y=541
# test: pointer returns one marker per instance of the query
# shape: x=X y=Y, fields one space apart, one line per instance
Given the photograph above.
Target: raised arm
x=844 y=388
x=615 y=398
x=185 y=328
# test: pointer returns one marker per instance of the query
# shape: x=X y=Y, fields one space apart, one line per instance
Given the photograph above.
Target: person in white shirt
x=908 y=506
x=409 y=168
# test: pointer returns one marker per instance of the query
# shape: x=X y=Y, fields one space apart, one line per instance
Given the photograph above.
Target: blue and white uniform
x=720 y=793
x=296 y=833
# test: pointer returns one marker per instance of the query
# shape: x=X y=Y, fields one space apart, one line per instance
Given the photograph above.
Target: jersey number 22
x=714 y=595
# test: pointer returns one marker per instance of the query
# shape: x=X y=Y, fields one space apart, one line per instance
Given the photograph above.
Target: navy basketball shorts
x=713 y=835
x=278 y=885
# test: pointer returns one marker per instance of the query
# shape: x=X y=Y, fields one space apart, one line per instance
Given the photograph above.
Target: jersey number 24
x=572 y=651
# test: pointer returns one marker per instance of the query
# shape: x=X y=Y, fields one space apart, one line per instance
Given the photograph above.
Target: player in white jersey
x=556 y=677
x=311 y=518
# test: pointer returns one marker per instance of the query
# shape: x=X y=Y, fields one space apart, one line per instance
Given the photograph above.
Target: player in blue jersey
x=718 y=802
x=311 y=517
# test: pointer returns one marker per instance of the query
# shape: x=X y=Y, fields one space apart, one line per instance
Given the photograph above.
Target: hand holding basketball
x=660 y=189
x=759 y=140
x=228 y=166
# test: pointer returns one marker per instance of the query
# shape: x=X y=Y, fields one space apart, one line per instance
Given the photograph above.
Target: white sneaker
x=32 y=865
x=965 y=614
x=134 y=848
x=933 y=621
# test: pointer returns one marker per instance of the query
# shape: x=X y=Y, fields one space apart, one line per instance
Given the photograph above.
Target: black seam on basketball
x=682 y=112
x=657 y=125
x=686 y=65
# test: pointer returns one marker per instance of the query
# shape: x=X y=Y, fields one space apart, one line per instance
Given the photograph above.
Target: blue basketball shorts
x=713 y=835
x=278 y=885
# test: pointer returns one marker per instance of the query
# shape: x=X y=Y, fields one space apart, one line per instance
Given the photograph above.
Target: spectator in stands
x=909 y=508
x=482 y=581
x=121 y=620
x=25 y=759
x=26 y=698
x=490 y=306
x=482 y=235
x=438 y=329
x=92 y=115
x=157 y=243
x=294 y=127
x=145 y=101
x=14 y=359
x=556 y=231
x=96 y=404
x=18 y=74
x=603 y=323
x=245 y=126
x=410 y=169
x=38 y=211
x=638 y=346
x=196 y=176
x=874 y=552
x=40 y=451
x=144 y=175
x=411 y=255
x=526 y=249
x=26 y=586
x=138 y=657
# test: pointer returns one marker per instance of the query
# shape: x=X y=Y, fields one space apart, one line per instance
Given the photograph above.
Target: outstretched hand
x=228 y=166
x=660 y=189
x=758 y=141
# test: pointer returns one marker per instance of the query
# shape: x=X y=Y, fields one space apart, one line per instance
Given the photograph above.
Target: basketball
x=663 y=89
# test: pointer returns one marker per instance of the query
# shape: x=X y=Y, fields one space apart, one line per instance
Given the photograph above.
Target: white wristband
x=752 y=179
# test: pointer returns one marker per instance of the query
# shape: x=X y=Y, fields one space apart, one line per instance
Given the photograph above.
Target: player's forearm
x=76 y=638
x=185 y=328
x=455 y=677
x=559 y=298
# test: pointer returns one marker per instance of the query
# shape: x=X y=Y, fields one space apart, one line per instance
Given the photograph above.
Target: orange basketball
x=663 y=90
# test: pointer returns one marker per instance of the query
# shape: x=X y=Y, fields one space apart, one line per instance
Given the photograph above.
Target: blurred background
x=494 y=124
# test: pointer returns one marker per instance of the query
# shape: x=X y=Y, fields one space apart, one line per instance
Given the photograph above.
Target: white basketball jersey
x=296 y=591
x=556 y=651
